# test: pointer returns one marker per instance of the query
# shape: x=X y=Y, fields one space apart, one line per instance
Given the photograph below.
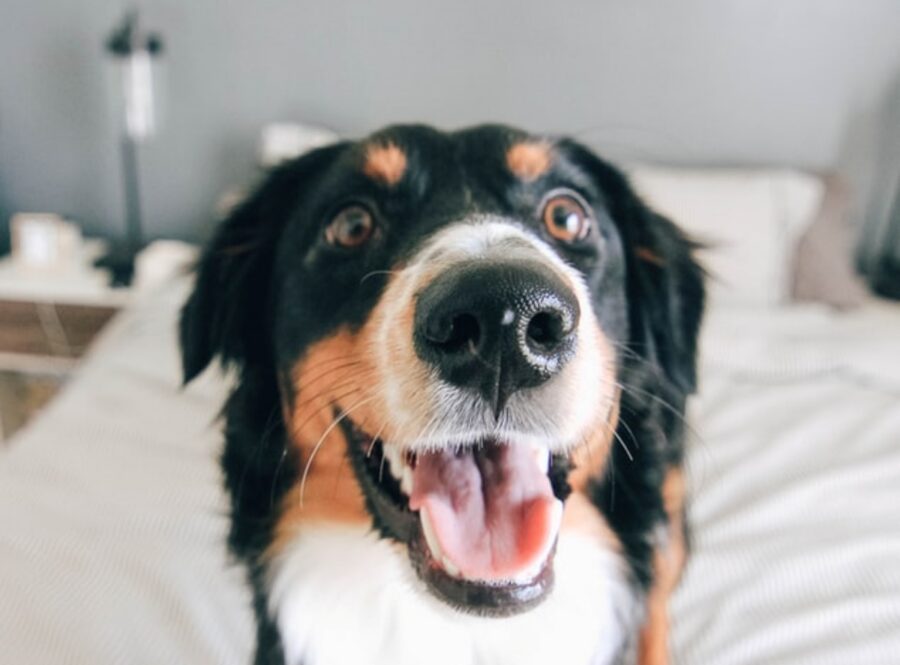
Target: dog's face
x=449 y=319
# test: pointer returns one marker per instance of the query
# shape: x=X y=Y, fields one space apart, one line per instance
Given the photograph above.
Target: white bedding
x=795 y=476
x=112 y=517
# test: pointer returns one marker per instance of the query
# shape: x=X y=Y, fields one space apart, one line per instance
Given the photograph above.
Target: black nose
x=496 y=328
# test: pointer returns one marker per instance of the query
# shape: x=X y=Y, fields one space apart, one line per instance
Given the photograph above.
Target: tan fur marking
x=238 y=250
x=648 y=255
x=385 y=163
x=336 y=375
x=668 y=562
x=529 y=160
x=329 y=377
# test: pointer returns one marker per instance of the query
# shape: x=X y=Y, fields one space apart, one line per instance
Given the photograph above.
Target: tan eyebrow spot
x=385 y=163
x=529 y=160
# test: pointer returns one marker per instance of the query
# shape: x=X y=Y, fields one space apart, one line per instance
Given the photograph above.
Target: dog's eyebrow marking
x=385 y=163
x=530 y=159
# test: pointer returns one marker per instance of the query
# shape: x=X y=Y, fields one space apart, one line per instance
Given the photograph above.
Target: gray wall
x=722 y=81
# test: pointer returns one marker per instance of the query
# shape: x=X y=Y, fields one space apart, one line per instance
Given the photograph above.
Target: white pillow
x=750 y=219
x=281 y=141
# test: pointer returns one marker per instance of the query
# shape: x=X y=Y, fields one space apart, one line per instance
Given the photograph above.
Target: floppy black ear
x=665 y=284
x=227 y=313
x=666 y=292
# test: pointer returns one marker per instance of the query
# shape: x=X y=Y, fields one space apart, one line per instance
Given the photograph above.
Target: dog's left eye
x=351 y=227
x=566 y=218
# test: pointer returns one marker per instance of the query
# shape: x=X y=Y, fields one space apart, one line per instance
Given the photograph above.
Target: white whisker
x=377 y=272
x=334 y=423
x=374 y=439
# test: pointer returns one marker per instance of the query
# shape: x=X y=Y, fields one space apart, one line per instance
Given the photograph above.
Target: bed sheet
x=794 y=468
x=112 y=516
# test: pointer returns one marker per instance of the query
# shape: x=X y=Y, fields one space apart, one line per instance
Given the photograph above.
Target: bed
x=112 y=515
x=794 y=467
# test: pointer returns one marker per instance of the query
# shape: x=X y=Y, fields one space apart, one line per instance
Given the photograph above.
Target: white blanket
x=112 y=517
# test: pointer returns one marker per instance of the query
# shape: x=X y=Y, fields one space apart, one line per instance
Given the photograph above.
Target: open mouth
x=480 y=521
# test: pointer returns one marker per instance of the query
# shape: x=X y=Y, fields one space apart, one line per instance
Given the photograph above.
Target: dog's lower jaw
x=341 y=594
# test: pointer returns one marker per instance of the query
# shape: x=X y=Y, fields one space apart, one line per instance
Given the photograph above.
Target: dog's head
x=449 y=318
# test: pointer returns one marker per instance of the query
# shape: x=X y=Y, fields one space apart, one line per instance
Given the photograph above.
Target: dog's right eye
x=352 y=227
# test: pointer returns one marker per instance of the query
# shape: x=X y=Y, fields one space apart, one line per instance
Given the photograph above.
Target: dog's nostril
x=455 y=333
x=545 y=331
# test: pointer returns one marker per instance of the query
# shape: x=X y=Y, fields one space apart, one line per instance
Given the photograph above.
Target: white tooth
x=451 y=570
x=395 y=460
x=406 y=480
x=542 y=458
x=555 y=522
x=430 y=537
x=528 y=575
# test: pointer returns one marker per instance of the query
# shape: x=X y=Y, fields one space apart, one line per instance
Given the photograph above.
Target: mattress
x=112 y=516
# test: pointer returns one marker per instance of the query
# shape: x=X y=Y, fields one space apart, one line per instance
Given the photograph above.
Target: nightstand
x=47 y=320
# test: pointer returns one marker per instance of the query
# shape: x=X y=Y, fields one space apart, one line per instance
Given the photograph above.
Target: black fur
x=657 y=370
x=267 y=287
x=229 y=315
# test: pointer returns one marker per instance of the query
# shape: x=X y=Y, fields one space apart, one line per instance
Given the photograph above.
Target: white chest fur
x=341 y=595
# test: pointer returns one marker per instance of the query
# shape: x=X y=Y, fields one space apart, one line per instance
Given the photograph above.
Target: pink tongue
x=491 y=510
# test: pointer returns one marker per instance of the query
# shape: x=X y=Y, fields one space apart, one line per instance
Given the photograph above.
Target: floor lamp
x=134 y=53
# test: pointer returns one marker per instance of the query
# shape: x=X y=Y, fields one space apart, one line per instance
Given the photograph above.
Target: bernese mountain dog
x=456 y=435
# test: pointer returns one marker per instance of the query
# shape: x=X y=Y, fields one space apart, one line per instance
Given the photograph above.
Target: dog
x=462 y=360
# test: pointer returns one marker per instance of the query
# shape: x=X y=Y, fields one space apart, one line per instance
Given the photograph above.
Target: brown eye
x=352 y=227
x=566 y=219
